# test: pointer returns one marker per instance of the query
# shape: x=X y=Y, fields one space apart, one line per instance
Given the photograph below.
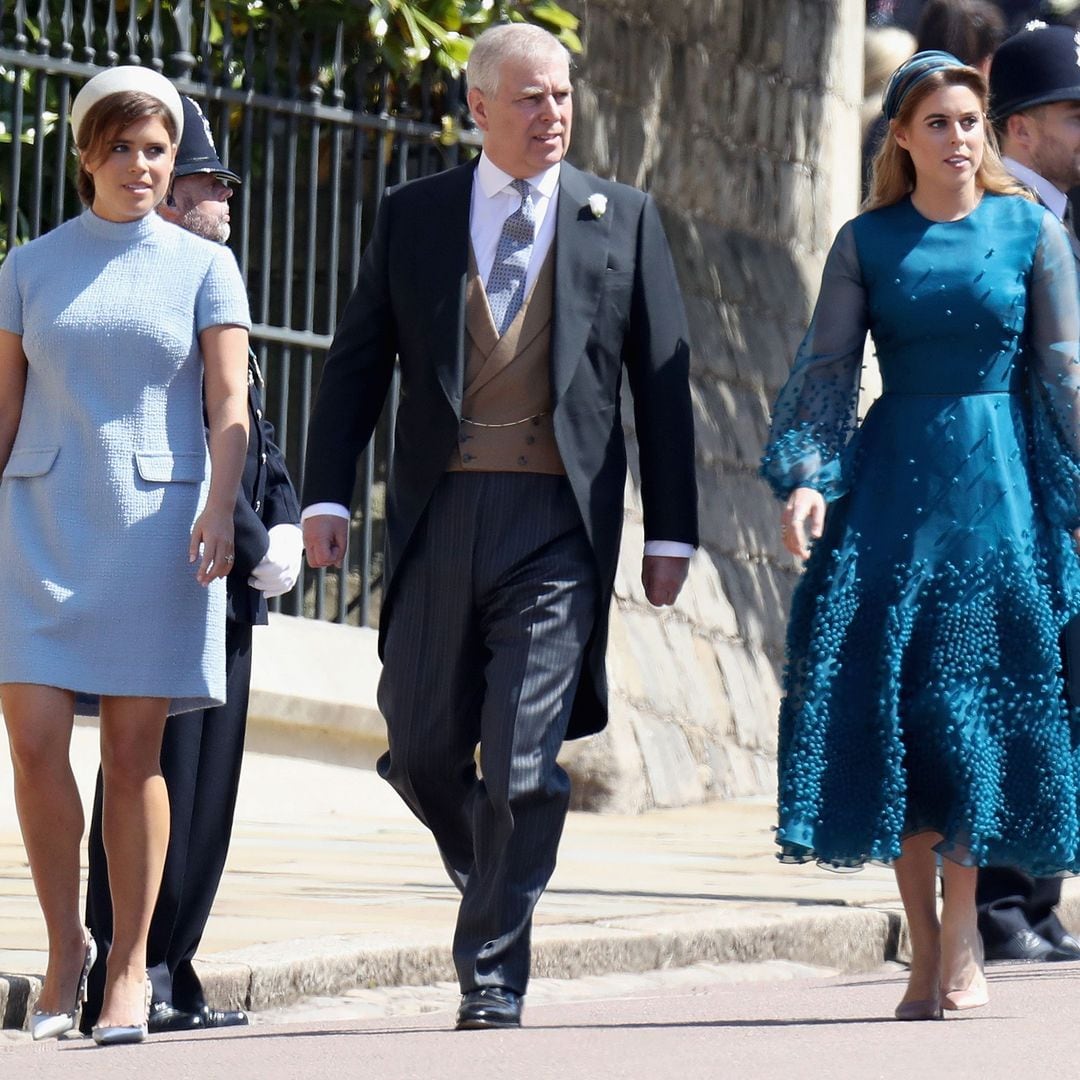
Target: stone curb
x=847 y=939
x=844 y=938
x=261 y=977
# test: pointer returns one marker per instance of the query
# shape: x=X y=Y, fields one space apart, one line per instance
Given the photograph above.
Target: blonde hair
x=893 y=175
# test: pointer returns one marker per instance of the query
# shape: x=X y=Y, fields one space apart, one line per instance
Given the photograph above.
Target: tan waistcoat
x=506 y=410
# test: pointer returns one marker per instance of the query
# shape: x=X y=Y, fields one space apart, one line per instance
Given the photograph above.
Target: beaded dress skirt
x=923 y=689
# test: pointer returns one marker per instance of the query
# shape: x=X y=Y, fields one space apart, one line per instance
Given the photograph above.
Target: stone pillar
x=741 y=118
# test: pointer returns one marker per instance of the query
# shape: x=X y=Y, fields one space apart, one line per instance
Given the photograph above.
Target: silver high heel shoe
x=45 y=1025
x=129 y=1033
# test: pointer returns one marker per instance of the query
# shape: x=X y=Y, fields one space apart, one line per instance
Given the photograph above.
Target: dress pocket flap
x=163 y=467
x=31 y=462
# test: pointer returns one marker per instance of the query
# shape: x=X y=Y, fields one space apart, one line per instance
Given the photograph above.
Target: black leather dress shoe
x=1023 y=945
x=492 y=1007
x=1065 y=948
x=164 y=1017
x=219 y=1018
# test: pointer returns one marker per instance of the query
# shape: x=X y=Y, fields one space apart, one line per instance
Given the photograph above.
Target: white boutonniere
x=597 y=204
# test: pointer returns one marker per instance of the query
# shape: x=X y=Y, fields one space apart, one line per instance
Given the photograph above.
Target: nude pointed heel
x=973 y=996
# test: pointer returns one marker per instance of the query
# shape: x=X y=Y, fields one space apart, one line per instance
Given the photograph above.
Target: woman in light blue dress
x=923 y=713
x=115 y=519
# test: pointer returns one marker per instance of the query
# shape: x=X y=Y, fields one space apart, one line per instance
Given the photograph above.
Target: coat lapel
x=445 y=276
x=581 y=247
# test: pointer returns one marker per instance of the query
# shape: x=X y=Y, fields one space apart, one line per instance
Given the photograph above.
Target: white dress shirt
x=493 y=201
x=1055 y=201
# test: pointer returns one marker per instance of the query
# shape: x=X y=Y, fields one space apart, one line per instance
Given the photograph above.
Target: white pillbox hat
x=118 y=80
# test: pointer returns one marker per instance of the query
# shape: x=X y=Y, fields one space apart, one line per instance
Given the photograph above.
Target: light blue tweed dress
x=110 y=467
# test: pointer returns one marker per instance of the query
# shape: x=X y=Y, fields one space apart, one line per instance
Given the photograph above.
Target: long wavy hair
x=893 y=174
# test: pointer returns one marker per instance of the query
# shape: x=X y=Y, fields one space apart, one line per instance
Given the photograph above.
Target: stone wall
x=741 y=118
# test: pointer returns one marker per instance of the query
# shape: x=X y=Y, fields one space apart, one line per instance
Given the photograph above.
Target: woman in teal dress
x=923 y=713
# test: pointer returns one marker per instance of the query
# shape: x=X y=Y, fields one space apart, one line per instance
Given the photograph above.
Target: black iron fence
x=317 y=140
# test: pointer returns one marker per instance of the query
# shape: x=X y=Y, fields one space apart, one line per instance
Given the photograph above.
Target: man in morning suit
x=515 y=291
x=1035 y=103
x=201 y=751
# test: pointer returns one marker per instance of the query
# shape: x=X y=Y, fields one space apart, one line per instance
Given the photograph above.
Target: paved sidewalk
x=332 y=885
x=805 y=1028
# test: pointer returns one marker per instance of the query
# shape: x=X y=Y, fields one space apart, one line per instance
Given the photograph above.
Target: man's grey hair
x=509 y=41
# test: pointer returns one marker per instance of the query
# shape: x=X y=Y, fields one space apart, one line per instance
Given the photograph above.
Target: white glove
x=280 y=566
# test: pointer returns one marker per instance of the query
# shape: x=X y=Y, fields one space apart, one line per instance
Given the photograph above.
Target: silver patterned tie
x=506 y=284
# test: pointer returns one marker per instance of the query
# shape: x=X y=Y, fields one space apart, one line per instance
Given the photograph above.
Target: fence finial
x=183 y=60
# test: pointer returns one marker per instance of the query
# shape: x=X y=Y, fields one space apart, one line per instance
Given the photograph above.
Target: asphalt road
x=828 y=1028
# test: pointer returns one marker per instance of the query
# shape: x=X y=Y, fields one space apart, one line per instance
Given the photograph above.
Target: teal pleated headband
x=912 y=72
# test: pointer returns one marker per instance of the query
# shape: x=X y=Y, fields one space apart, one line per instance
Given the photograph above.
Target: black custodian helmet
x=1039 y=65
x=197 y=152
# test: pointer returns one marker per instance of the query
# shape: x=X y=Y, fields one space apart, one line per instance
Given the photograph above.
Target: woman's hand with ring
x=212 y=545
x=802 y=520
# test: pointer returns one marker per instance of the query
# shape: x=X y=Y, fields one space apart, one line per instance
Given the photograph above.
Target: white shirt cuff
x=671 y=549
x=333 y=509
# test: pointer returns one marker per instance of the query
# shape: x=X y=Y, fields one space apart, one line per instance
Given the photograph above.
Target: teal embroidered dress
x=923 y=689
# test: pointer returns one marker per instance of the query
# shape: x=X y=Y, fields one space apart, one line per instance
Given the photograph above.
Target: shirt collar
x=1055 y=201
x=493 y=180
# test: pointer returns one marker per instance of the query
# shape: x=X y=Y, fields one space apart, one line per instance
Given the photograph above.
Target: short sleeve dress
x=923 y=687
x=110 y=469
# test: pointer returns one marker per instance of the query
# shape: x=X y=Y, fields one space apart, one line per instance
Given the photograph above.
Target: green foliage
x=409 y=56
x=403 y=41
x=402 y=36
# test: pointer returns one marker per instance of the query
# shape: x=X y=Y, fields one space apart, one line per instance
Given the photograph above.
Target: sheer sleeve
x=1054 y=341
x=816 y=412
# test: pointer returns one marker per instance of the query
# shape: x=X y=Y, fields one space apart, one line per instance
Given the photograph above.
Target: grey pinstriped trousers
x=493 y=609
